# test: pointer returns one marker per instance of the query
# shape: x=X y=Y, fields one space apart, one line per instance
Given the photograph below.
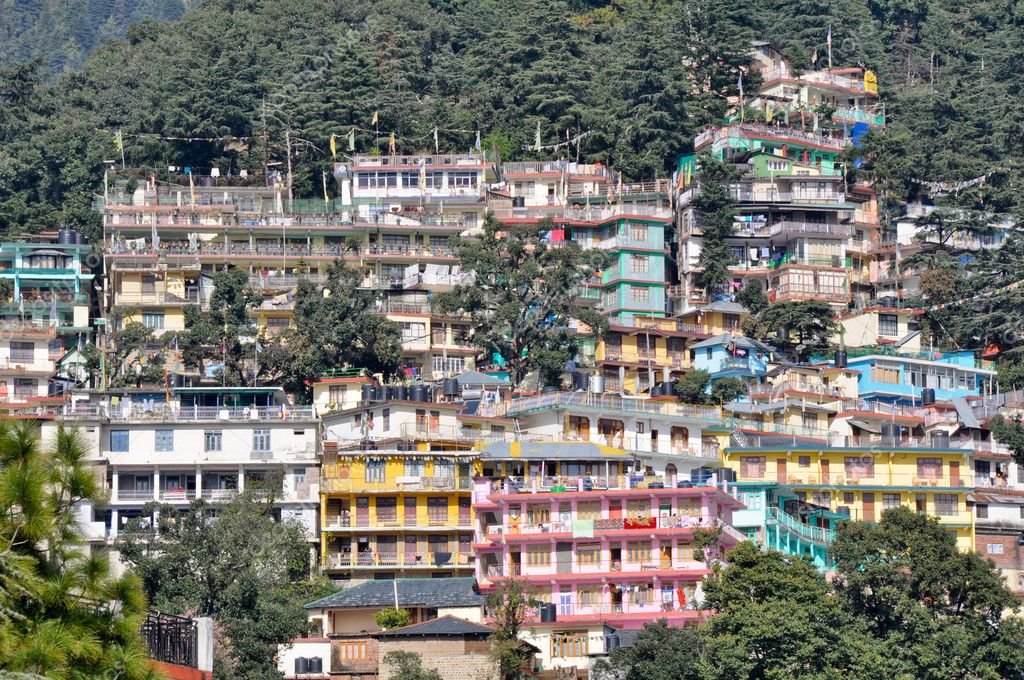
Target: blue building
x=728 y=355
x=901 y=378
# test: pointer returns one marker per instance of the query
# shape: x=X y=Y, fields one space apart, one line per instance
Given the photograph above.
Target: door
x=824 y=471
x=565 y=603
x=780 y=470
x=563 y=558
x=410 y=550
x=464 y=512
x=954 y=474
x=615 y=509
x=869 y=507
x=362 y=512
x=666 y=555
x=410 y=511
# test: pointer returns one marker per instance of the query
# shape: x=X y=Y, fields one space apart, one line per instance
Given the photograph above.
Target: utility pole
x=288 y=145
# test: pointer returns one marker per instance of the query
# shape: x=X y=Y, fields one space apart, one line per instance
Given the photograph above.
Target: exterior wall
x=862 y=330
x=898 y=385
x=1005 y=550
x=304 y=648
x=453 y=659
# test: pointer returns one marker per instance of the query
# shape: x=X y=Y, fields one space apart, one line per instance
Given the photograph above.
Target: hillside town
x=608 y=490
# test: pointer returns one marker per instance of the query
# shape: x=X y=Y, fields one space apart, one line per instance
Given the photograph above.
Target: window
x=387 y=509
x=752 y=467
x=538 y=514
x=859 y=467
x=810 y=421
x=890 y=500
x=300 y=476
x=415 y=468
x=22 y=352
x=981 y=511
x=638 y=232
x=386 y=417
x=804 y=461
x=212 y=440
x=277 y=324
x=589 y=595
x=437 y=510
x=822 y=498
x=588 y=510
x=570 y=643
x=374 y=470
x=638 y=551
x=164 y=440
x=119 y=441
x=336 y=394
x=153 y=320
x=149 y=283
x=538 y=555
x=887 y=374
x=888 y=324
x=945 y=504
x=994 y=549
x=640 y=294
x=639 y=264
x=588 y=553
x=413 y=332
x=929 y=468
x=443 y=364
x=462 y=179
x=261 y=440
x=410 y=180
x=689 y=507
x=731 y=321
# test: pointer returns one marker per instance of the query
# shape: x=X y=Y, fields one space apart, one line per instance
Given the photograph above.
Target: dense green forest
x=628 y=82
x=62 y=33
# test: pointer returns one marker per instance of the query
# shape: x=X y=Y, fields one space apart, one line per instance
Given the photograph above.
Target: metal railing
x=816 y=534
x=609 y=402
x=171 y=639
x=165 y=412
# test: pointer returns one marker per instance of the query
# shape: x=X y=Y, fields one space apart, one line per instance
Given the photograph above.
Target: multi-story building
x=600 y=551
x=635 y=358
x=397 y=477
x=211 y=443
x=896 y=327
x=863 y=477
x=907 y=377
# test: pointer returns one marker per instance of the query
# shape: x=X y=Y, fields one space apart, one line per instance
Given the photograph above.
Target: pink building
x=607 y=557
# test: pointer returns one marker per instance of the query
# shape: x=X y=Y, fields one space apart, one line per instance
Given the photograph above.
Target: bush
x=393 y=618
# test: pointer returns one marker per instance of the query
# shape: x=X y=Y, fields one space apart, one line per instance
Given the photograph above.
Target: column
x=241 y=479
x=114 y=484
x=156 y=483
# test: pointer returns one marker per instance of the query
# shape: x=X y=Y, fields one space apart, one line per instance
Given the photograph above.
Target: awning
x=870 y=427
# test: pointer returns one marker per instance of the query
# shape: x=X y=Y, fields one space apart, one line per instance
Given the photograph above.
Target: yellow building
x=153 y=288
x=716 y=318
x=634 y=358
x=805 y=397
x=864 y=481
x=396 y=487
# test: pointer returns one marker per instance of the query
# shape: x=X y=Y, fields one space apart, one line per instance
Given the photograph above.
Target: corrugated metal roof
x=412 y=592
x=444 y=626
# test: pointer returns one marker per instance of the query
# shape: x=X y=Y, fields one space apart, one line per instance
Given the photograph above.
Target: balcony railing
x=608 y=402
x=165 y=412
x=879 y=478
x=638 y=523
x=398 y=559
x=411 y=483
x=816 y=534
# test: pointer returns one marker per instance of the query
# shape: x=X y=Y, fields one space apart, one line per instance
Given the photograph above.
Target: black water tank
x=581 y=380
x=518 y=201
x=940 y=440
x=301 y=666
x=67 y=237
x=367 y=393
x=927 y=396
x=841 y=359
x=418 y=393
x=401 y=393
x=548 y=613
x=890 y=433
x=316 y=664
x=726 y=475
x=81 y=238
x=378 y=393
x=611 y=643
x=450 y=387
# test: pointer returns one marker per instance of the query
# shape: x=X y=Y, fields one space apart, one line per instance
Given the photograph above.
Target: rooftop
x=444 y=626
x=412 y=592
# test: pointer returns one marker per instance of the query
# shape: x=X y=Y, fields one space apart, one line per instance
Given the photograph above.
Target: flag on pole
x=119 y=141
x=739 y=85
x=536 y=139
x=352 y=139
x=476 y=145
x=376 y=118
x=391 y=144
x=767 y=112
x=327 y=201
x=828 y=40
x=437 y=142
x=334 y=147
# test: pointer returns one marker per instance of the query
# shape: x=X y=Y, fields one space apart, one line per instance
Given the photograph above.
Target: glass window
x=153 y=320
x=945 y=504
x=640 y=293
x=638 y=232
x=888 y=324
x=22 y=352
x=415 y=468
x=994 y=549
x=752 y=467
x=981 y=511
x=890 y=500
x=859 y=467
x=638 y=551
x=639 y=264
x=300 y=476
x=588 y=553
x=929 y=468
x=538 y=555
x=164 y=440
x=375 y=470
x=119 y=441
x=261 y=440
x=213 y=440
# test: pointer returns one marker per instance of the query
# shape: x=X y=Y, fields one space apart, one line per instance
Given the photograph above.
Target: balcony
x=642 y=524
x=609 y=403
x=625 y=569
x=168 y=413
x=797 y=229
x=190 y=297
x=880 y=478
x=626 y=209
x=815 y=534
x=398 y=485
x=783 y=134
x=371 y=560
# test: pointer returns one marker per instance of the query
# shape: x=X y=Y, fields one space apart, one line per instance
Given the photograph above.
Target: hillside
x=63 y=34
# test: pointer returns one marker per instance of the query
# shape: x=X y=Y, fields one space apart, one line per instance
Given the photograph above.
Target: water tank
x=418 y=393
x=401 y=393
x=581 y=380
x=389 y=393
x=81 y=238
x=548 y=389
x=379 y=393
x=726 y=474
x=701 y=476
x=518 y=201
x=67 y=237
x=450 y=387
x=927 y=396
x=841 y=359
x=940 y=440
x=367 y=393
x=890 y=433
x=469 y=395
x=548 y=613
x=316 y=664
x=597 y=384
x=301 y=666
